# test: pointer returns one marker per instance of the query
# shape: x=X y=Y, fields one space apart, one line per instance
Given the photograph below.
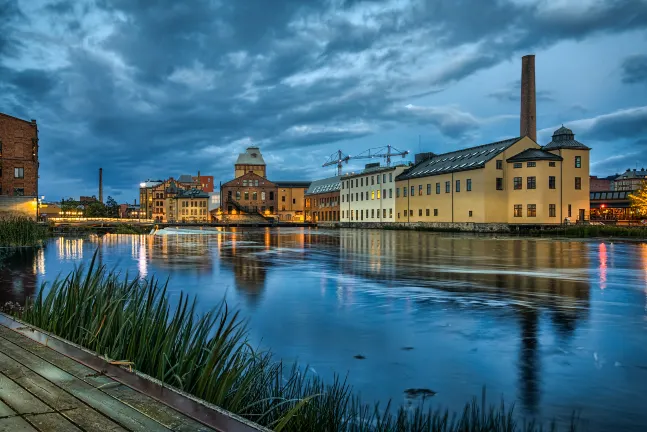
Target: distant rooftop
x=330 y=184
x=293 y=184
x=376 y=169
x=252 y=156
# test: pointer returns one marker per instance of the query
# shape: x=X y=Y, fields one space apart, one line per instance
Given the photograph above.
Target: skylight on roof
x=471 y=163
x=462 y=165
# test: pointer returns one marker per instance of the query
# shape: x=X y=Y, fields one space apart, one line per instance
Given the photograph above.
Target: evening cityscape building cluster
x=513 y=181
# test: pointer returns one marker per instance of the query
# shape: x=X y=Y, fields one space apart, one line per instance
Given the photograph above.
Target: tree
x=95 y=209
x=112 y=208
x=639 y=200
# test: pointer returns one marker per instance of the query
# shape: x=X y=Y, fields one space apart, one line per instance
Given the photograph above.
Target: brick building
x=250 y=161
x=249 y=193
x=322 y=200
x=18 y=156
x=601 y=184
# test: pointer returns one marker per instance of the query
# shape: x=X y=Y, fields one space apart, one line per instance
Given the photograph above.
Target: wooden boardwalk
x=44 y=390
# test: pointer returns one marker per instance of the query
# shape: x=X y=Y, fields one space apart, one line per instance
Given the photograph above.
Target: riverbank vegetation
x=21 y=232
x=209 y=356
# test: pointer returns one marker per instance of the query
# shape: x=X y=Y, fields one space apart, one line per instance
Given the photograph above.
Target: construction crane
x=381 y=152
x=337 y=158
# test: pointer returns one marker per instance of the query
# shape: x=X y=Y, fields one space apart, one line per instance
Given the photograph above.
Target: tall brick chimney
x=101 y=185
x=528 y=99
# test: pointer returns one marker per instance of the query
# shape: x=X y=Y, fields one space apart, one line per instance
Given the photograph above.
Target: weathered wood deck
x=42 y=389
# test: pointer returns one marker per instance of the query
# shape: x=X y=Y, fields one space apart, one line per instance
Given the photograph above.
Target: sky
x=148 y=89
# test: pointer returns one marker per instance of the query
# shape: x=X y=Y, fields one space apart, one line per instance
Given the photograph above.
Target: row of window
x=194 y=204
x=250 y=183
x=359 y=196
x=16 y=191
x=534 y=164
x=193 y=212
x=448 y=186
x=18 y=172
x=361 y=214
x=427 y=213
x=375 y=179
x=254 y=196
x=532 y=210
x=531 y=183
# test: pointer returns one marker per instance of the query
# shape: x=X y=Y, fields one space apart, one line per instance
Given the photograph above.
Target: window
x=361 y=181
x=271 y=198
x=254 y=196
x=390 y=177
x=551 y=164
x=435 y=212
x=246 y=196
x=391 y=213
x=448 y=186
x=361 y=196
x=372 y=213
x=372 y=180
x=517 y=183
x=419 y=212
x=419 y=189
x=384 y=212
x=294 y=200
x=244 y=183
x=397 y=193
x=398 y=215
x=470 y=213
x=518 y=212
x=552 y=211
x=458 y=185
x=578 y=161
x=378 y=194
x=19 y=173
x=413 y=190
x=499 y=164
x=532 y=210
x=384 y=181
x=410 y=212
x=383 y=194
x=237 y=195
x=578 y=183
x=404 y=191
x=428 y=188
x=19 y=191
x=469 y=185
x=532 y=182
x=283 y=198
x=372 y=195
x=531 y=164
x=356 y=182
x=356 y=196
x=427 y=212
x=499 y=183
x=551 y=182
x=437 y=188
x=378 y=179
x=518 y=165
x=390 y=193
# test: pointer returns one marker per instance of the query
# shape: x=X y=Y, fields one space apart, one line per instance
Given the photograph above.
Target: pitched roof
x=293 y=184
x=459 y=160
x=534 y=154
x=185 y=178
x=376 y=169
x=330 y=184
x=564 y=138
x=629 y=174
x=192 y=193
x=252 y=156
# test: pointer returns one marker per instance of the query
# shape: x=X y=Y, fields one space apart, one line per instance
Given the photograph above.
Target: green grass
x=209 y=356
x=21 y=231
x=130 y=229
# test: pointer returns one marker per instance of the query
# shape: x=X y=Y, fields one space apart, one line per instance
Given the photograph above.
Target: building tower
x=528 y=122
x=251 y=160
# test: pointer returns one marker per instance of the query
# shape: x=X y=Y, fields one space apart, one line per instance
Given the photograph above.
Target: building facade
x=291 y=200
x=18 y=156
x=369 y=196
x=188 y=206
x=322 y=200
x=249 y=193
x=514 y=181
x=250 y=161
x=630 y=180
x=601 y=184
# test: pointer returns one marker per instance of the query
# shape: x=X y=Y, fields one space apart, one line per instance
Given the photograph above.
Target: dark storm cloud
x=512 y=93
x=634 y=69
x=174 y=78
x=627 y=157
x=624 y=124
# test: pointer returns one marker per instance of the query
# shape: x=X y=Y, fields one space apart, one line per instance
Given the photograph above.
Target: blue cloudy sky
x=149 y=89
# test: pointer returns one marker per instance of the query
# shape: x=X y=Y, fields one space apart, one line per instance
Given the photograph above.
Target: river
x=551 y=325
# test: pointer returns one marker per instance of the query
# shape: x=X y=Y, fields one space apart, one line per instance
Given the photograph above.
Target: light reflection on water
x=552 y=325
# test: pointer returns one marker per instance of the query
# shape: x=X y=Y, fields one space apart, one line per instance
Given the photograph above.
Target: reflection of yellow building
x=515 y=181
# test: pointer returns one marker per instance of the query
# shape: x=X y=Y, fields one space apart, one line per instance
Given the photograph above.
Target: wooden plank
x=5 y=411
x=20 y=400
x=164 y=414
x=59 y=400
x=126 y=416
x=52 y=422
x=15 y=424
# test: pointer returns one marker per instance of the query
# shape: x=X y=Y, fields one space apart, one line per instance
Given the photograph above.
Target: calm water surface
x=553 y=326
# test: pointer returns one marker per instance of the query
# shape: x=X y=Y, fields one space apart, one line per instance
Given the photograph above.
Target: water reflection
x=18 y=273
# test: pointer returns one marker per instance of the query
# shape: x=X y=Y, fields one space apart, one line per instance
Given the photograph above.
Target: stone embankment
x=424 y=226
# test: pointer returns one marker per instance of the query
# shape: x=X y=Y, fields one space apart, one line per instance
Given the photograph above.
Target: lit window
x=532 y=210
x=378 y=194
x=517 y=183
x=372 y=195
x=518 y=210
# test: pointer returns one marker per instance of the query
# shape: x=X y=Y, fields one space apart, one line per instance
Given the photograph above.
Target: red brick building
x=322 y=200
x=249 y=193
x=18 y=156
x=600 y=184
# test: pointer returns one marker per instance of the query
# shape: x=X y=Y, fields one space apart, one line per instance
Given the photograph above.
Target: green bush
x=210 y=357
x=21 y=231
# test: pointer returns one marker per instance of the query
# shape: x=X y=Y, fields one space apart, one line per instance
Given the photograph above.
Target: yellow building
x=189 y=206
x=291 y=200
x=515 y=181
x=250 y=161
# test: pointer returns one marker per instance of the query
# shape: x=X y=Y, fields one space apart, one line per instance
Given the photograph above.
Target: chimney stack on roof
x=528 y=99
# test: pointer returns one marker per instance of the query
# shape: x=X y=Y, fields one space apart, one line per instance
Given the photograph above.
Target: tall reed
x=21 y=231
x=209 y=356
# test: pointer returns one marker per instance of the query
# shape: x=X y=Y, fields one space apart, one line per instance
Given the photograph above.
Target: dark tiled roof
x=610 y=195
x=192 y=193
x=252 y=156
x=629 y=174
x=185 y=178
x=330 y=184
x=460 y=160
x=376 y=169
x=293 y=184
x=565 y=138
x=534 y=154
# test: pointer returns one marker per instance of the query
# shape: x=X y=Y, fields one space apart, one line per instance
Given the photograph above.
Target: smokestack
x=528 y=100
x=100 y=185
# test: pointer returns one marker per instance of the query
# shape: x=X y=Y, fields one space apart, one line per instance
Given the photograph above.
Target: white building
x=369 y=196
